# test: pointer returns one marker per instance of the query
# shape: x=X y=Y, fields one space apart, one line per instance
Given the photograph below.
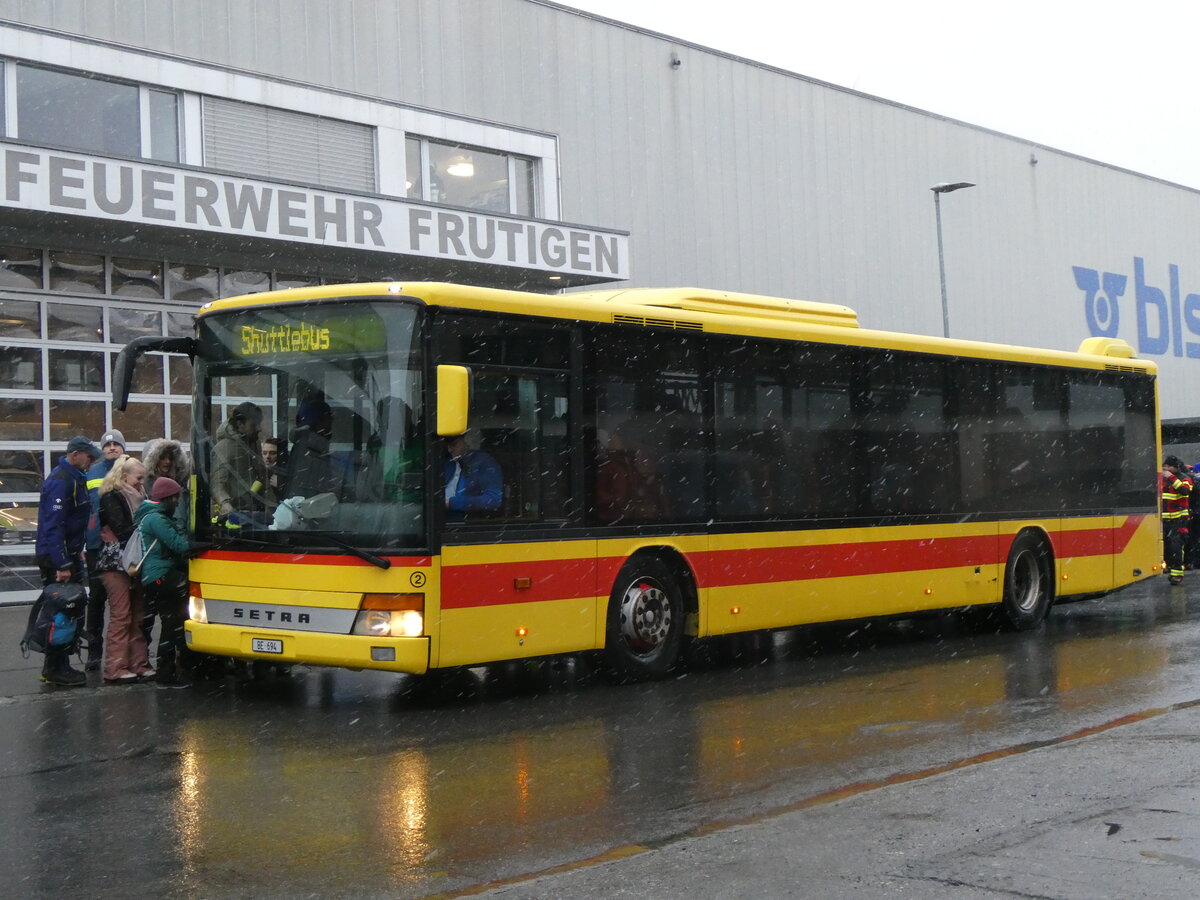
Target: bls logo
x=1161 y=319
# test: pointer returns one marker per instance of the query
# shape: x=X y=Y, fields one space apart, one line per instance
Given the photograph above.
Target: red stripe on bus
x=736 y=567
x=471 y=586
x=485 y=584
x=1097 y=541
x=494 y=584
x=306 y=559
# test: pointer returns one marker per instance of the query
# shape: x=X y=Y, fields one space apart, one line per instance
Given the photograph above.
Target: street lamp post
x=938 y=190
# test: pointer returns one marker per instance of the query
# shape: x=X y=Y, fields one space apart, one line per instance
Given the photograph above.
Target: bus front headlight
x=391 y=615
x=412 y=623
x=196 y=610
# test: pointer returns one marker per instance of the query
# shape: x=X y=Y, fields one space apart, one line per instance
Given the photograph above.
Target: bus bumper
x=405 y=654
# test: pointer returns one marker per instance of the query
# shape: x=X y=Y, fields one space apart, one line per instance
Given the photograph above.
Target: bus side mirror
x=453 y=399
x=127 y=360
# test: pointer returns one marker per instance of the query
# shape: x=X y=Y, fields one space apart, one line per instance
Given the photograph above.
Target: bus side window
x=520 y=420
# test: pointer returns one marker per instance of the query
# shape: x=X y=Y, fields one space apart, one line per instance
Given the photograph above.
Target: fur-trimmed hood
x=181 y=468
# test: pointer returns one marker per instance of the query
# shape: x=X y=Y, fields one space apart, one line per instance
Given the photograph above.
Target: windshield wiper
x=377 y=561
x=293 y=537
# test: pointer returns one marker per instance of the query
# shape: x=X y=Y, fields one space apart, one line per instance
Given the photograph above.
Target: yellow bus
x=471 y=475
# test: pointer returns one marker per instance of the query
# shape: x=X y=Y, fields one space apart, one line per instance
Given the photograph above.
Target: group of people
x=91 y=504
x=97 y=496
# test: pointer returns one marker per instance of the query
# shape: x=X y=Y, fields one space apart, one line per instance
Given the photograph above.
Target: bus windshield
x=310 y=423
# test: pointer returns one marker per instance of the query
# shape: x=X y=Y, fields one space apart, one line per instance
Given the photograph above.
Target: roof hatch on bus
x=735 y=304
x=1103 y=346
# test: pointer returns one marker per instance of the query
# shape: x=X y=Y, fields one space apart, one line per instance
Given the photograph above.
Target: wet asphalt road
x=341 y=784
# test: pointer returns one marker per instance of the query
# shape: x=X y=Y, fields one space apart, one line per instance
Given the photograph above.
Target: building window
x=289 y=146
x=71 y=417
x=77 y=273
x=81 y=111
x=143 y=419
x=20 y=368
x=179 y=373
x=241 y=281
x=163 y=107
x=285 y=280
x=192 y=284
x=461 y=175
x=20 y=267
x=20 y=319
x=74 y=323
x=137 y=278
x=78 y=371
x=20 y=420
x=124 y=325
x=180 y=324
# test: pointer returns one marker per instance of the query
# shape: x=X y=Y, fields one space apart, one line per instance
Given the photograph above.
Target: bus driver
x=472 y=478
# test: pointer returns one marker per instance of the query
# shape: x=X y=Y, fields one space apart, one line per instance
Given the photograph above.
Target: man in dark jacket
x=311 y=469
x=237 y=466
x=63 y=514
x=112 y=445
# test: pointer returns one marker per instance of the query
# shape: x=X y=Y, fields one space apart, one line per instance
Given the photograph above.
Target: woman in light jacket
x=126 y=656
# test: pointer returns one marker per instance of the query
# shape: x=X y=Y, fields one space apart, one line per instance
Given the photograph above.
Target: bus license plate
x=262 y=645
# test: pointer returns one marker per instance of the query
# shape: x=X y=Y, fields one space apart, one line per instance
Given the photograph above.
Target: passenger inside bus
x=394 y=462
x=238 y=470
x=474 y=482
x=628 y=488
x=311 y=469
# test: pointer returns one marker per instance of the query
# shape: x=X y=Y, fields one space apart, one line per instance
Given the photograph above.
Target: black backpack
x=56 y=619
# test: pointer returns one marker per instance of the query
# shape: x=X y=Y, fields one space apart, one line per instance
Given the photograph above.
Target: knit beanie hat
x=163 y=488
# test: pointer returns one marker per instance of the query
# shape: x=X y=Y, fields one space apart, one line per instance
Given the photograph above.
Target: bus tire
x=1028 y=583
x=645 y=624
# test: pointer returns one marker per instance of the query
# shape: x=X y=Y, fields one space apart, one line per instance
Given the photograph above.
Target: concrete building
x=160 y=153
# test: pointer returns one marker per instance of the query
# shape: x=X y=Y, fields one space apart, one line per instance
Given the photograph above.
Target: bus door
x=512 y=586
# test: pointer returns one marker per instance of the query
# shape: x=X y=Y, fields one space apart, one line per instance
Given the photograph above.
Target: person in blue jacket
x=472 y=478
x=112 y=446
x=63 y=513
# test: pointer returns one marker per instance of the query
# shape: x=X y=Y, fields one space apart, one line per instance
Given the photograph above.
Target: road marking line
x=822 y=799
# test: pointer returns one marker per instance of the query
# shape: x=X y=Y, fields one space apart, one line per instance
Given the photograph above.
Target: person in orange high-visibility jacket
x=1176 y=494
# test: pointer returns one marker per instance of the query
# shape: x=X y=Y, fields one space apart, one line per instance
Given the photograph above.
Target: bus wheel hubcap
x=645 y=616
x=1026 y=581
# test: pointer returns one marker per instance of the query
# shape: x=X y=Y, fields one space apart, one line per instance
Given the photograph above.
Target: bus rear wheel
x=1028 y=583
x=645 y=621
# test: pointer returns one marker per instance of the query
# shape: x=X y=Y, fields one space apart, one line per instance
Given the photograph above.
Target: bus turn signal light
x=414 y=602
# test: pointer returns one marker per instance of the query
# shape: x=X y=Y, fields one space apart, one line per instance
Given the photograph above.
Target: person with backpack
x=165 y=458
x=163 y=575
x=64 y=509
x=112 y=445
x=126 y=655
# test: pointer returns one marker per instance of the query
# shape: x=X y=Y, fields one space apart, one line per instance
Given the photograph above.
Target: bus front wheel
x=645 y=621
x=1028 y=583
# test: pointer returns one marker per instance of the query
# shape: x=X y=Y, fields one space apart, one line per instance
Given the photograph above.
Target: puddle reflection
x=340 y=780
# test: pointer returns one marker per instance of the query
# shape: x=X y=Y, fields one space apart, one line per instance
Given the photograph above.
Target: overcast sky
x=1113 y=81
